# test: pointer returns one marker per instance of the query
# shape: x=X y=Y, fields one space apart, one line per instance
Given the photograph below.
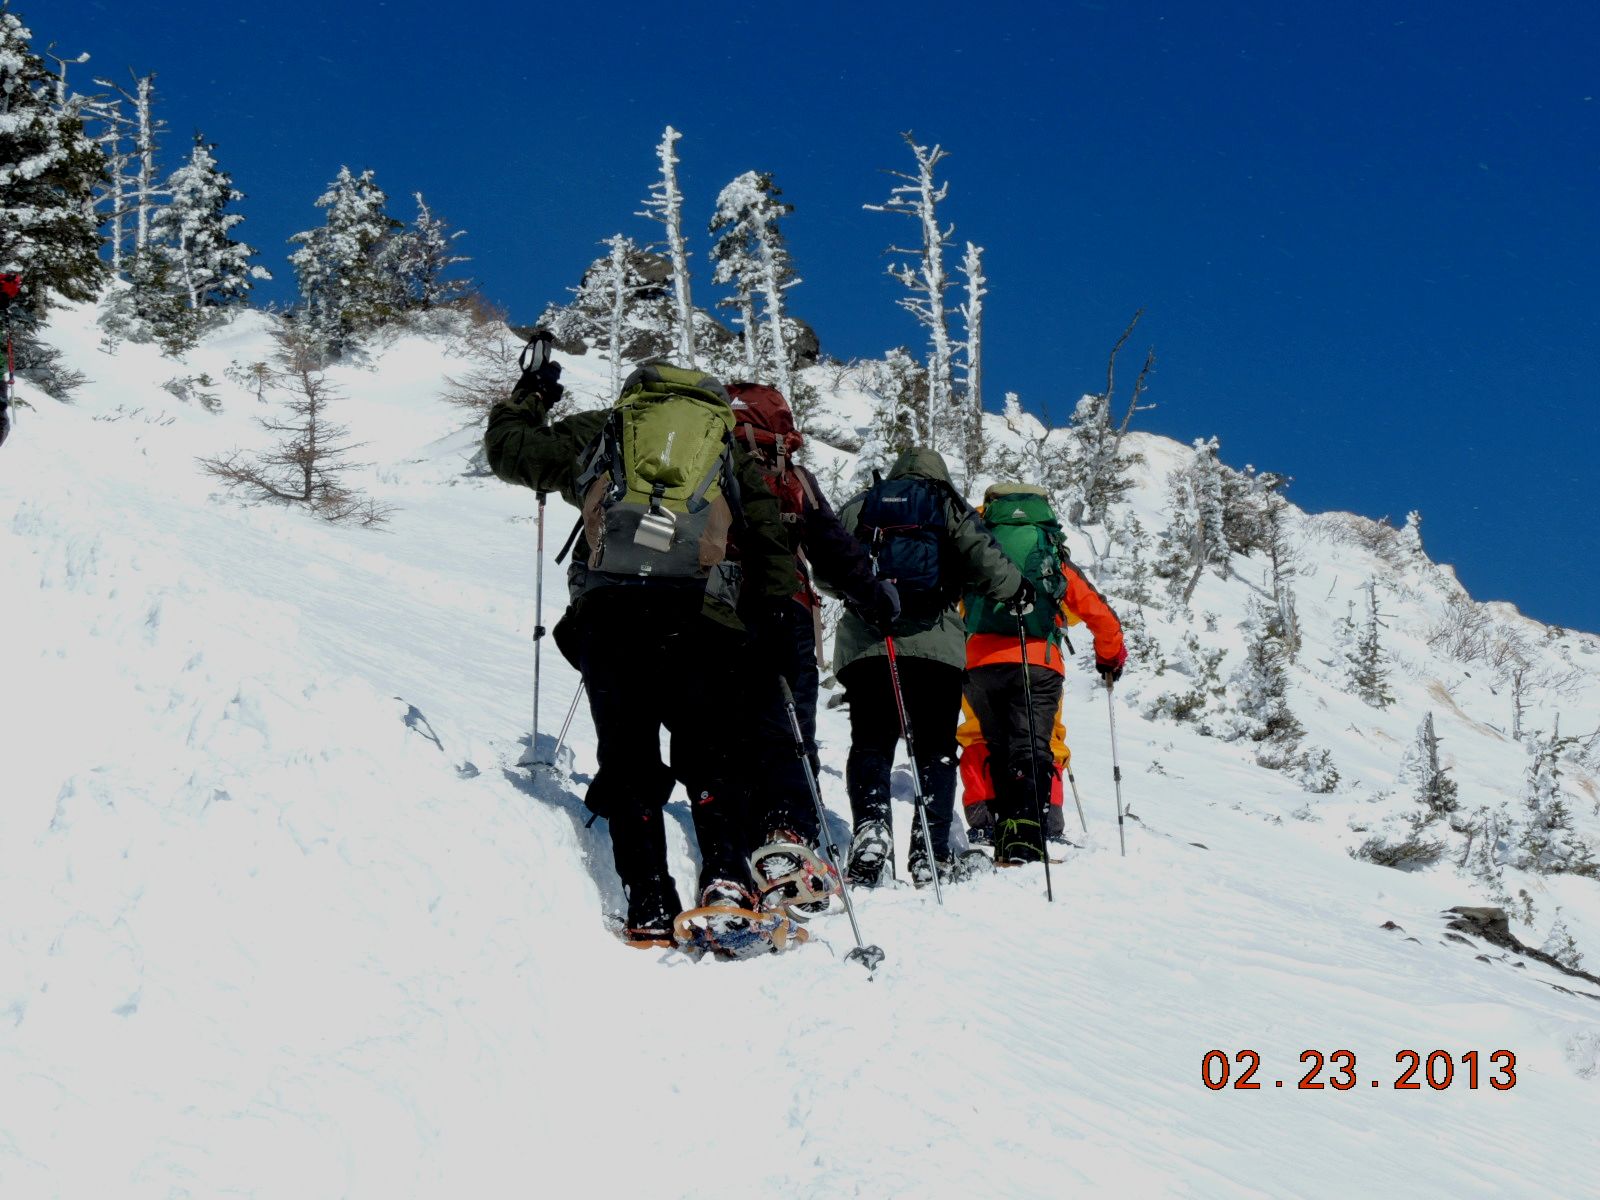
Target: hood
x=920 y=463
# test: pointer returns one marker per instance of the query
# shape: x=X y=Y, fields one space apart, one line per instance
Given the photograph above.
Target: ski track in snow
x=284 y=919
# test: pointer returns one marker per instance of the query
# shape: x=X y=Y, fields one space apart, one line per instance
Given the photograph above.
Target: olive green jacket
x=985 y=568
x=522 y=449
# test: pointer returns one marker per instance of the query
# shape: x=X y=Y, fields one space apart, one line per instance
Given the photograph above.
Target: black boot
x=652 y=904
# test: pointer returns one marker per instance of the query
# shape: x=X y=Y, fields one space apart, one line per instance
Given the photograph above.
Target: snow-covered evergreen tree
x=1194 y=536
x=193 y=231
x=1549 y=842
x=665 y=204
x=1560 y=945
x=1365 y=665
x=1429 y=777
x=751 y=257
x=1487 y=832
x=344 y=289
x=925 y=279
x=1259 y=691
x=49 y=170
x=417 y=261
x=900 y=385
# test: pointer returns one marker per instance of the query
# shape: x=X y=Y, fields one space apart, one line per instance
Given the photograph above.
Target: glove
x=538 y=391
x=1111 y=668
x=1021 y=604
x=885 y=610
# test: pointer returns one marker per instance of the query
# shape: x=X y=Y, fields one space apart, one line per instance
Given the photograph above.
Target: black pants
x=1018 y=737
x=649 y=658
x=780 y=796
x=932 y=692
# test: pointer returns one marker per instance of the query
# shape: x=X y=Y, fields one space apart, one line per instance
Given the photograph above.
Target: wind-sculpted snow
x=284 y=918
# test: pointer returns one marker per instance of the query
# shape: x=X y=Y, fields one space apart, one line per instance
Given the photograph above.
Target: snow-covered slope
x=284 y=919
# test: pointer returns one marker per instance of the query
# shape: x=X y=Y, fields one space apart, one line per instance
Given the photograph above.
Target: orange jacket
x=1082 y=604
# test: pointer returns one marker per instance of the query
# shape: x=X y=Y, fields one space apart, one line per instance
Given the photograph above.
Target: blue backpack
x=904 y=524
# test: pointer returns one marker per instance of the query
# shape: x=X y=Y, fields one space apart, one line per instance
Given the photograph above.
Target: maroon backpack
x=764 y=422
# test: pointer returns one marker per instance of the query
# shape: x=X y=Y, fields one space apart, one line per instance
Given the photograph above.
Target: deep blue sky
x=1366 y=235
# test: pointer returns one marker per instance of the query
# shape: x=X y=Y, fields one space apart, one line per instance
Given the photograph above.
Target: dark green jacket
x=522 y=449
x=985 y=568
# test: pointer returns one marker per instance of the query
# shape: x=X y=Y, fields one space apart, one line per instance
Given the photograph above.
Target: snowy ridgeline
x=285 y=919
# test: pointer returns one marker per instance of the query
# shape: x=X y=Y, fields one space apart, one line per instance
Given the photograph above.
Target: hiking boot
x=652 y=905
x=921 y=871
x=980 y=835
x=871 y=859
x=791 y=876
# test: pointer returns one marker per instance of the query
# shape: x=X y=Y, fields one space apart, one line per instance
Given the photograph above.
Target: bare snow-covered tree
x=665 y=204
x=1102 y=466
x=919 y=197
x=136 y=192
x=308 y=464
x=752 y=258
x=972 y=357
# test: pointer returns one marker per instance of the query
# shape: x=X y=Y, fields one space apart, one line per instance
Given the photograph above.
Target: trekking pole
x=538 y=640
x=867 y=956
x=1074 y=782
x=916 y=775
x=567 y=724
x=1040 y=802
x=1116 y=767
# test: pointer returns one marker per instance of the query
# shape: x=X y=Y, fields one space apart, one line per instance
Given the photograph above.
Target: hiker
x=977 y=783
x=653 y=623
x=928 y=540
x=1018 y=740
x=790 y=634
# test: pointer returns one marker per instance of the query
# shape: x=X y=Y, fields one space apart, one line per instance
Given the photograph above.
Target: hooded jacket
x=983 y=567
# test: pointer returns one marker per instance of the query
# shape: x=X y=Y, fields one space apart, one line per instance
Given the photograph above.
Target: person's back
x=925 y=537
x=654 y=625
x=1015 y=668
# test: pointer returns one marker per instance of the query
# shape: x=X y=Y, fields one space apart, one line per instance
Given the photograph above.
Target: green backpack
x=656 y=486
x=1023 y=523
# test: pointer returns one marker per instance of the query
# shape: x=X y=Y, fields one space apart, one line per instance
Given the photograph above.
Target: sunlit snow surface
x=283 y=918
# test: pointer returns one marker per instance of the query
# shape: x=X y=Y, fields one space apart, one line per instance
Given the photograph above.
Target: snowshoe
x=793 y=877
x=651 y=905
x=736 y=932
x=871 y=861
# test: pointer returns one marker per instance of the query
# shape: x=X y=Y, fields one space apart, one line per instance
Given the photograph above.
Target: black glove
x=538 y=391
x=1111 y=668
x=1021 y=604
x=885 y=610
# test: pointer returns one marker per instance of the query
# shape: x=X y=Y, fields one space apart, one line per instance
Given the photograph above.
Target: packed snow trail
x=284 y=919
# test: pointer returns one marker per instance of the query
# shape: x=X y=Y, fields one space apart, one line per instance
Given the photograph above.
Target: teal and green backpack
x=658 y=482
x=1021 y=519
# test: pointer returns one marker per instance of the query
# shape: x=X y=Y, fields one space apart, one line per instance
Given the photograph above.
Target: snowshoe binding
x=793 y=877
x=871 y=862
x=921 y=870
x=736 y=932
